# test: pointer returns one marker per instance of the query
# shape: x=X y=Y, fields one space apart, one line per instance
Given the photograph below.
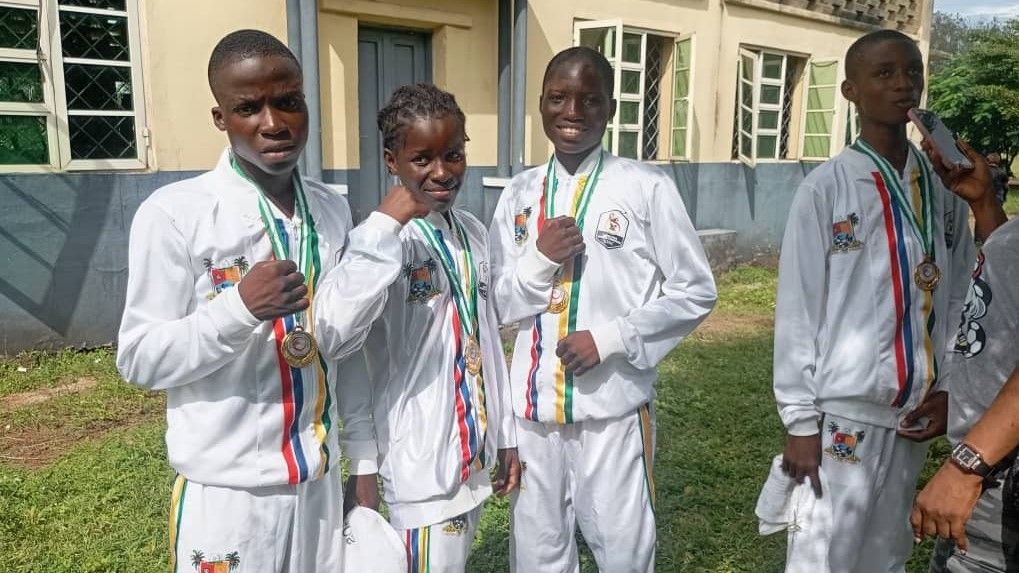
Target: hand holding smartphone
x=940 y=137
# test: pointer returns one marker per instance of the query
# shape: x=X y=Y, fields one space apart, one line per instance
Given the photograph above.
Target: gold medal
x=927 y=275
x=299 y=348
x=472 y=355
x=559 y=300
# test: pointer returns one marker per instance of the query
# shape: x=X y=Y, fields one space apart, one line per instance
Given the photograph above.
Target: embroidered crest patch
x=843 y=444
x=218 y=564
x=456 y=526
x=843 y=234
x=422 y=282
x=227 y=276
x=612 y=227
x=520 y=225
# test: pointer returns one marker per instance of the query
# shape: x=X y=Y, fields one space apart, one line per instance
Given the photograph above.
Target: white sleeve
x=163 y=342
x=963 y=257
x=799 y=306
x=521 y=274
x=354 y=401
x=507 y=437
x=353 y=294
x=647 y=333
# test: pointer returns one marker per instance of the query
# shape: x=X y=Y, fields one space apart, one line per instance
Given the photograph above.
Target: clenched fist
x=272 y=289
x=403 y=204
x=560 y=240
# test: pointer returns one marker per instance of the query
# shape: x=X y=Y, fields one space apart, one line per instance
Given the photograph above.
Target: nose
x=906 y=81
x=572 y=108
x=440 y=172
x=272 y=122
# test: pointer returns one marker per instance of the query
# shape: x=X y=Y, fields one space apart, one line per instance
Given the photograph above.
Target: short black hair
x=411 y=102
x=585 y=55
x=244 y=44
x=856 y=51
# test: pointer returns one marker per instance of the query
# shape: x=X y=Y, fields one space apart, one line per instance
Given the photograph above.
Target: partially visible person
x=999 y=177
x=972 y=502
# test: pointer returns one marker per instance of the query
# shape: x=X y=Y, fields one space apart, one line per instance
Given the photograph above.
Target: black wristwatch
x=969 y=460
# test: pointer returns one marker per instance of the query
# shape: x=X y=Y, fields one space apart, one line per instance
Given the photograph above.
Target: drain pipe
x=302 y=37
x=519 y=85
x=505 y=87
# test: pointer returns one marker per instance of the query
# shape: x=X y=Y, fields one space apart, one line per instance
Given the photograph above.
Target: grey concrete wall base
x=63 y=237
x=720 y=247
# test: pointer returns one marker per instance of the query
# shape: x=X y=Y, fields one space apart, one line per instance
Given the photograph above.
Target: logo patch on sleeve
x=520 y=225
x=226 y=275
x=612 y=227
x=422 y=282
x=843 y=234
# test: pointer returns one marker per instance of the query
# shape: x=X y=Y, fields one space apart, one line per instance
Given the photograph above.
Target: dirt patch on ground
x=15 y=401
x=33 y=446
x=721 y=324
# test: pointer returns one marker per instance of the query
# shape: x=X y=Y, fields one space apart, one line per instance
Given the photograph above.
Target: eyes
x=456 y=155
x=885 y=73
x=290 y=103
x=586 y=100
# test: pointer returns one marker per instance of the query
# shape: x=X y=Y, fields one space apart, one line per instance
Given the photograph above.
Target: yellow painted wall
x=464 y=62
x=176 y=44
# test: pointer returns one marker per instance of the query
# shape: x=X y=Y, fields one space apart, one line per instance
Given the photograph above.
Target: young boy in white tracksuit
x=873 y=273
x=223 y=269
x=596 y=258
x=426 y=402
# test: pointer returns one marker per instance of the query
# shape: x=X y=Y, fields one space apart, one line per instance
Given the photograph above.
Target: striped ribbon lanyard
x=462 y=278
x=281 y=248
x=925 y=232
x=581 y=198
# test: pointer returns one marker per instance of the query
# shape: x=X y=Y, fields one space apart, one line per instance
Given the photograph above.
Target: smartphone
x=941 y=138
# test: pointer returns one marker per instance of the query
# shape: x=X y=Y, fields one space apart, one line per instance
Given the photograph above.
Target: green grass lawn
x=102 y=505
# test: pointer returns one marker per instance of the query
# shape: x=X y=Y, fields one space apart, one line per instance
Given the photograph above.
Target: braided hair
x=412 y=102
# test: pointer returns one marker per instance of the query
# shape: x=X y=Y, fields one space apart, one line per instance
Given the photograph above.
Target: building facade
x=103 y=101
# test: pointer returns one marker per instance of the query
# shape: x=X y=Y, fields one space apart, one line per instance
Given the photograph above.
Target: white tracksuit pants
x=597 y=473
x=869 y=479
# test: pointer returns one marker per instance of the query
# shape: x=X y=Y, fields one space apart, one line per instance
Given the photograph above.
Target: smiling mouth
x=440 y=194
x=906 y=103
x=571 y=130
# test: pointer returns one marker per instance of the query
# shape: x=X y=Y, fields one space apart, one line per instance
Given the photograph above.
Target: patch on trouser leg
x=844 y=442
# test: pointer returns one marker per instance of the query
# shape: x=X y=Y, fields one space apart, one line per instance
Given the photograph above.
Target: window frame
x=834 y=141
x=615 y=125
x=49 y=57
x=691 y=83
x=757 y=53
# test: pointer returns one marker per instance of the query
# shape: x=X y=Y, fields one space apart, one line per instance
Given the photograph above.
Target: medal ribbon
x=280 y=248
x=925 y=232
x=464 y=286
x=461 y=276
x=309 y=264
x=571 y=274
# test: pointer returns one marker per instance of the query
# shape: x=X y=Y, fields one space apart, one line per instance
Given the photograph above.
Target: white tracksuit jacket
x=233 y=419
x=403 y=415
x=854 y=335
x=646 y=284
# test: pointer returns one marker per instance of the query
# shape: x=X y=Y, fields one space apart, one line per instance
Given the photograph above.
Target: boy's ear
x=849 y=90
x=612 y=108
x=217 y=118
x=390 y=158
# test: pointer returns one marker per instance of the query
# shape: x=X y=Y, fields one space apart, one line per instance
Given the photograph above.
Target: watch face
x=965 y=456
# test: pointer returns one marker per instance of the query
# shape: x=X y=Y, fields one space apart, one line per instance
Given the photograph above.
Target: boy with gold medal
x=596 y=258
x=873 y=273
x=224 y=269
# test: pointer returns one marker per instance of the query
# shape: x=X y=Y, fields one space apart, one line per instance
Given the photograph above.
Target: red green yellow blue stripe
x=180 y=486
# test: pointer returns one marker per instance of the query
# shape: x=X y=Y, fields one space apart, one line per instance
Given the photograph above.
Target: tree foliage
x=976 y=93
